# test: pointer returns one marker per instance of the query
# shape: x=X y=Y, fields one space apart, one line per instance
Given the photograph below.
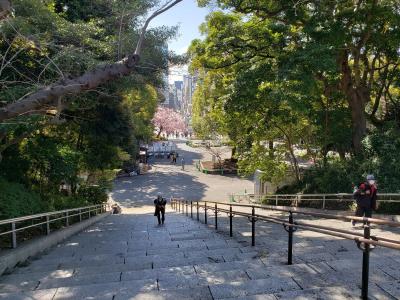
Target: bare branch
x=159 y=11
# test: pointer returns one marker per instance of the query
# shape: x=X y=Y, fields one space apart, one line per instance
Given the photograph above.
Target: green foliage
x=93 y=194
x=273 y=162
x=337 y=176
x=301 y=77
x=16 y=200
x=76 y=146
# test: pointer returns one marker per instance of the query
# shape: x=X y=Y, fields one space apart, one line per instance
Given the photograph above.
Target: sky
x=188 y=16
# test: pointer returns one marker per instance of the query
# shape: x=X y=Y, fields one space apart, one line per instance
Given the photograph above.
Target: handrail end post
x=13 y=235
x=230 y=221
x=253 y=227
x=365 y=263
x=290 y=240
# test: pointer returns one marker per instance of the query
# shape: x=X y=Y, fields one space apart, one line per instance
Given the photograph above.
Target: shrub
x=16 y=200
x=93 y=194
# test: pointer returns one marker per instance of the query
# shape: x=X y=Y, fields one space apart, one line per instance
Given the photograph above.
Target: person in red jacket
x=366 y=196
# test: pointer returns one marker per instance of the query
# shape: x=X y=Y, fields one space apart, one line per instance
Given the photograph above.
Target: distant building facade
x=188 y=87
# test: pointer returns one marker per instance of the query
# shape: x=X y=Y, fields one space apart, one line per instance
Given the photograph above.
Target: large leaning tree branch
x=49 y=95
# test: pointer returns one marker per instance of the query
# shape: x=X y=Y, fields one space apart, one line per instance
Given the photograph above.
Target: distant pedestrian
x=174 y=157
x=183 y=164
x=159 y=204
x=366 y=195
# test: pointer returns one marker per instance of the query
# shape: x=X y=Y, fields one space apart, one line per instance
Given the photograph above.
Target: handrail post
x=89 y=213
x=290 y=242
x=80 y=215
x=179 y=206
x=276 y=200
x=13 y=235
x=230 y=221
x=365 y=265
x=253 y=226
x=66 y=219
x=47 y=225
x=187 y=207
x=323 y=202
x=205 y=212
x=216 y=216
x=191 y=209
x=197 y=207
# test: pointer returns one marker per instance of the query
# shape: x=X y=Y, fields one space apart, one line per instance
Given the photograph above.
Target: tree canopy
x=75 y=101
x=314 y=75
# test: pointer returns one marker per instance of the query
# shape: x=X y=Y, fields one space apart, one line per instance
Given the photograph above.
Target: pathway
x=170 y=181
x=128 y=256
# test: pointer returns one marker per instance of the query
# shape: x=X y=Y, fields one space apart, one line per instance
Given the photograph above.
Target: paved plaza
x=171 y=181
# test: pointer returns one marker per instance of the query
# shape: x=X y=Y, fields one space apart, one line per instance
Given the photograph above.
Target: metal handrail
x=365 y=242
x=41 y=215
x=315 y=214
x=59 y=215
x=324 y=198
x=317 y=195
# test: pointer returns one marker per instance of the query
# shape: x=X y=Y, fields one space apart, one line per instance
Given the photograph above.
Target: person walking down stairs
x=159 y=204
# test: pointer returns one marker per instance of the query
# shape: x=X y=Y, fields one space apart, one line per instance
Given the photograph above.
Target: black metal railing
x=14 y=228
x=365 y=241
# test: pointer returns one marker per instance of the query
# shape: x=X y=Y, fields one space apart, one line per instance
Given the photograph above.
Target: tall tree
x=348 y=47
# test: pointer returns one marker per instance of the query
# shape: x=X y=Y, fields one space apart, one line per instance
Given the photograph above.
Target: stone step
x=128 y=257
x=253 y=287
x=199 y=293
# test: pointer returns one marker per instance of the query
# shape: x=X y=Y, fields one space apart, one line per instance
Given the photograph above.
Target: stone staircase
x=129 y=257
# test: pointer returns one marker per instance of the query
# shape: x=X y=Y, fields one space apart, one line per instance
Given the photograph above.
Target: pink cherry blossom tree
x=169 y=121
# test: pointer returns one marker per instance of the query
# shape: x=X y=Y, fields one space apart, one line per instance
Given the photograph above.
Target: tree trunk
x=159 y=132
x=358 y=121
x=233 y=152
x=357 y=97
x=271 y=148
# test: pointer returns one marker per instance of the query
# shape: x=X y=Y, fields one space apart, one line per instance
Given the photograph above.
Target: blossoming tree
x=169 y=121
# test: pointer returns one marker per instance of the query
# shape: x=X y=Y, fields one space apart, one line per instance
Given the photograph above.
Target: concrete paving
x=171 y=181
x=129 y=256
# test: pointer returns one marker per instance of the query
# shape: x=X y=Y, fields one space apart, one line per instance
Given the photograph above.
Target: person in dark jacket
x=366 y=196
x=159 y=204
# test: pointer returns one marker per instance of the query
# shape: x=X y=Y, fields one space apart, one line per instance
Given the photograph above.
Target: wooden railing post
x=66 y=219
